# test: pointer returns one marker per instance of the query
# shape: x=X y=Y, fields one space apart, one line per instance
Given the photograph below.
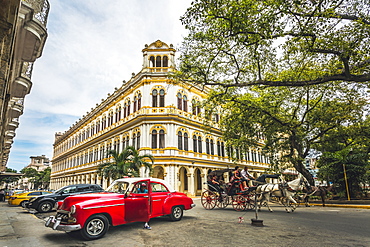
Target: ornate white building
x=157 y=116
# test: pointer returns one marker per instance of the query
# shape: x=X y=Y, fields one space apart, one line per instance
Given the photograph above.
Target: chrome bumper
x=192 y=205
x=54 y=223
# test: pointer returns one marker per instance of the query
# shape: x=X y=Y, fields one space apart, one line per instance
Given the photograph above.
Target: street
x=312 y=226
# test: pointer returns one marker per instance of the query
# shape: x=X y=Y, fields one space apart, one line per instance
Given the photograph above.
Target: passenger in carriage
x=237 y=176
x=246 y=177
x=216 y=184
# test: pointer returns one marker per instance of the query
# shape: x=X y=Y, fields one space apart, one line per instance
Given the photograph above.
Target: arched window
x=195 y=143
x=218 y=148
x=158 y=61
x=135 y=104
x=104 y=123
x=186 y=142
x=154 y=139
x=185 y=103
x=118 y=114
x=179 y=101
x=138 y=141
x=139 y=102
x=179 y=140
x=154 y=98
x=128 y=108
x=123 y=143
x=194 y=107
x=152 y=62
x=161 y=98
x=222 y=149
x=124 y=110
x=199 y=144
x=207 y=146
x=165 y=61
x=212 y=148
x=161 y=139
x=134 y=140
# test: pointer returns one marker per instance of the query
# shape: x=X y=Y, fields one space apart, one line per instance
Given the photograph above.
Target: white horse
x=284 y=191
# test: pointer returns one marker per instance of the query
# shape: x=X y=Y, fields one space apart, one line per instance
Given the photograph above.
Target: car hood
x=90 y=199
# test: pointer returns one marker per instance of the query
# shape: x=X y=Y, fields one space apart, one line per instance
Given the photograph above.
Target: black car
x=46 y=203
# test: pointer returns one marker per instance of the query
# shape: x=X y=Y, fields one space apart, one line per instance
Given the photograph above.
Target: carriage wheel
x=238 y=203
x=250 y=204
x=223 y=201
x=208 y=199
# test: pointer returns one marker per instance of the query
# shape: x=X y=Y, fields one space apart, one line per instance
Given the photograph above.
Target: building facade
x=39 y=163
x=156 y=115
x=22 y=39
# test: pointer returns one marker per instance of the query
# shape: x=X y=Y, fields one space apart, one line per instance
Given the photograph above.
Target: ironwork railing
x=41 y=9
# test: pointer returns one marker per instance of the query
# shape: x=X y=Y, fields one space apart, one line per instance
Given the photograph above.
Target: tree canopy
x=238 y=43
x=293 y=71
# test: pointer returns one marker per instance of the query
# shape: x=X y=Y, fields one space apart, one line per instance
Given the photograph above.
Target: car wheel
x=95 y=227
x=45 y=207
x=23 y=204
x=176 y=213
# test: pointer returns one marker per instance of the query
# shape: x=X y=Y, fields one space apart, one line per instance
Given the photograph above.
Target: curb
x=341 y=205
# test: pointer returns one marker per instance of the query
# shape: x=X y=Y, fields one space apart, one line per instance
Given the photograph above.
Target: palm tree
x=136 y=161
x=126 y=163
x=117 y=168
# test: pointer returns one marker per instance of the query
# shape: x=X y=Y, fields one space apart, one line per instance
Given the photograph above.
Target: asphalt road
x=313 y=226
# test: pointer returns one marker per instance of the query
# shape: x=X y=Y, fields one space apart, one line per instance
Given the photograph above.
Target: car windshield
x=59 y=190
x=118 y=187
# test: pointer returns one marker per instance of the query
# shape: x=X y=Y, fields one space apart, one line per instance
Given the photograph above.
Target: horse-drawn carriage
x=231 y=193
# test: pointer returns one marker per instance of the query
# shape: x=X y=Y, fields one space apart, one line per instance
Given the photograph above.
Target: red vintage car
x=126 y=200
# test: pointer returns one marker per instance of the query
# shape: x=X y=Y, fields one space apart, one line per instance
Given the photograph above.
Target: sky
x=92 y=46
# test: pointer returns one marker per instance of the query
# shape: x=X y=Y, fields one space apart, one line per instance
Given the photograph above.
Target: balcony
x=32 y=29
x=15 y=108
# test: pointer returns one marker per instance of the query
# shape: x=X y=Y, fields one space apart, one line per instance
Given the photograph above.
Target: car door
x=159 y=194
x=137 y=204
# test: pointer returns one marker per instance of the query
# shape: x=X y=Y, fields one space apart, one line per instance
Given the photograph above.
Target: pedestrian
x=2 y=195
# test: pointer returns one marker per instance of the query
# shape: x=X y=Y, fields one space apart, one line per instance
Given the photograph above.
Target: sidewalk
x=343 y=203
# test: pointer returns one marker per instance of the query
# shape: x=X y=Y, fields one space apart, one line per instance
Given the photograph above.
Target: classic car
x=46 y=203
x=125 y=200
x=20 y=199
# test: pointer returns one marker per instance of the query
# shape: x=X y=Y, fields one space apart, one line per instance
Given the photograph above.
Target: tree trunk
x=305 y=173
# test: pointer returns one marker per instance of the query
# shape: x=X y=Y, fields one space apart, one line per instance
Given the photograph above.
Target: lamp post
x=345 y=180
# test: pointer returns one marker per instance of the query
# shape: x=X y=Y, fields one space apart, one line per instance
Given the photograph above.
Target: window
x=154 y=98
x=158 y=187
x=185 y=103
x=152 y=61
x=158 y=61
x=165 y=61
x=199 y=144
x=207 y=146
x=135 y=104
x=186 y=142
x=161 y=98
x=195 y=143
x=138 y=141
x=212 y=148
x=179 y=142
x=179 y=101
x=161 y=139
x=154 y=139
x=134 y=140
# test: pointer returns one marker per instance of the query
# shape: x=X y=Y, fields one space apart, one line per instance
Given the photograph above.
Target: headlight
x=73 y=209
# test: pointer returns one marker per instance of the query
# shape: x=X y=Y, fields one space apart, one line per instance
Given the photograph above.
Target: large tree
x=290 y=120
x=238 y=43
x=292 y=70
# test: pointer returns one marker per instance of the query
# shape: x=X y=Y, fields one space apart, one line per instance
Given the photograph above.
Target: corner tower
x=158 y=57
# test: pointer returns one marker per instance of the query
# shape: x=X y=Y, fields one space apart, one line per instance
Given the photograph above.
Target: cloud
x=92 y=46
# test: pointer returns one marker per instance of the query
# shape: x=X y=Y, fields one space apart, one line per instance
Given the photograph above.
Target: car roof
x=136 y=179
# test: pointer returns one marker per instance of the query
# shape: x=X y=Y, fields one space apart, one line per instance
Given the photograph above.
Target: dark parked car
x=46 y=203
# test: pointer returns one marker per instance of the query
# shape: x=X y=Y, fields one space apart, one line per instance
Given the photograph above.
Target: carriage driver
x=246 y=177
x=215 y=183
